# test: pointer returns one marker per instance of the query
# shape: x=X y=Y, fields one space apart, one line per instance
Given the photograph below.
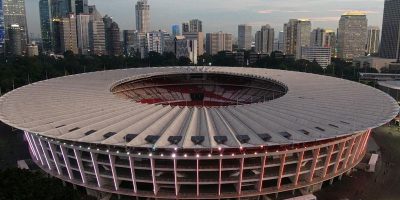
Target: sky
x=225 y=15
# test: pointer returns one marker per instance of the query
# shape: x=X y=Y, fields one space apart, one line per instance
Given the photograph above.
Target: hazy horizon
x=225 y=15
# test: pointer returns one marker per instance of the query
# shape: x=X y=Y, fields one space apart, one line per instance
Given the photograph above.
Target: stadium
x=197 y=132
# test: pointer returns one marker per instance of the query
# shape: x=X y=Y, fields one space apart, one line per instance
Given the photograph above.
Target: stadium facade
x=197 y=132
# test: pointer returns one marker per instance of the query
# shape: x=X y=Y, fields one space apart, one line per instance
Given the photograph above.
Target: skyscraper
x=390 y=41
x=303 y=36
x=142 y=16
x=46 y=25
x=185 y=27
x=14 y=40
x=113 y=43
x=318 y=37
x=176 y=30
x=62 y=8
x=182 y=47
x=352 y=35
x=290 y=37
x=131 y=42
x=155 y=41
x=330 y=41
x=373 y=36
x=195 y=25
x=81 y=7
x=82 y=31
x=14 y=13
x=265 y=39
x=2 y=28
x=68 y=34
x=97 y=41
x=199 y=36
x=216 y=42
x=244 y=37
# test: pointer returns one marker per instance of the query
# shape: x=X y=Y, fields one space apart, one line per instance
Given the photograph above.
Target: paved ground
x=381 y=185
x=12 y=147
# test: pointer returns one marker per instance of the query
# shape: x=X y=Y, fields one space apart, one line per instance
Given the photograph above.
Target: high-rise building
x=303 y=36
x=216 y=42
x=113 y=43
x=352 y=35
x=265 y=39
x=81 y=7
x=321 y=55
x=373 y=36
x=46 y=25
x=182 y=47
x=279 y=42
x=330 y=41
x=290 y=37
x=390 y=41
x=32 y=50
x=14 y=40
x=199 y=36
x=62 y=8
x=155 y=41
x=2 y=28
x=195 y=25
x=142 y=16
x=244 y=37
x=176 y=30
x=14 y=13
x=68 y=34
x=318 y=37
x=97 y=41
x=131 y=42
x=185 y=27
x=82 y=31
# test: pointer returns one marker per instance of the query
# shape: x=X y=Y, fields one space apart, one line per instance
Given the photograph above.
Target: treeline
x=19 y=71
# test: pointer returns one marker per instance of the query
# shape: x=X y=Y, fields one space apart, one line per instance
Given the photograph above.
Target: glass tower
x=390 y=30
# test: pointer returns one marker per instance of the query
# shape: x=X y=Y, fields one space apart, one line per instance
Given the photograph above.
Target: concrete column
x=66 y=161
x=133 y=175
x=80 y=165
x=55 y=157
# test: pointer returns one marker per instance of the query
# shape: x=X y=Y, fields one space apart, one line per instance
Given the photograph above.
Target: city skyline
x=224 y=16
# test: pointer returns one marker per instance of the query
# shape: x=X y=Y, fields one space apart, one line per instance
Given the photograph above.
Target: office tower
x=176 y=30
x=265 y=40
x=195 y=25
x=373 y=40
x=97 y=41
x=330 y=41
x=182 y=47
x=199 y=36
x=14 y=13
x=322 y=55
x=68 y=34
x=244 y=37
x=2 y=28
x=278 y=44
x=390 y=40
x=216 y=42
x=82 y=31
x=303 y=36
x=112 y=33
x=290 y=37
x=81 y=7
x=14 y=40
x=131 y=42
x=318 y=37
x=185 y=27
x=46 y=25
x=142 y=16
x=62 y=8
x=352 y=35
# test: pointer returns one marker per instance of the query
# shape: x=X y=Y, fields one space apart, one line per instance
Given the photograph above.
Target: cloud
x=362 y=11
x=282 y=11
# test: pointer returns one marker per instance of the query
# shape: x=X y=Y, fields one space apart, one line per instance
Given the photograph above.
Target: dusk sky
x=225 y=15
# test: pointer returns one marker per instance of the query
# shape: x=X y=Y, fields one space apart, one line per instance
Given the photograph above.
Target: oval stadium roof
x=82 y=108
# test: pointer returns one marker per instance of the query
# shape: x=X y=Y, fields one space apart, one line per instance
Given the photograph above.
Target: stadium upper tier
x=196 y=107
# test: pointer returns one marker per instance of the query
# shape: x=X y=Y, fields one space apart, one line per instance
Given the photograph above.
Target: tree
x=20 y=184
